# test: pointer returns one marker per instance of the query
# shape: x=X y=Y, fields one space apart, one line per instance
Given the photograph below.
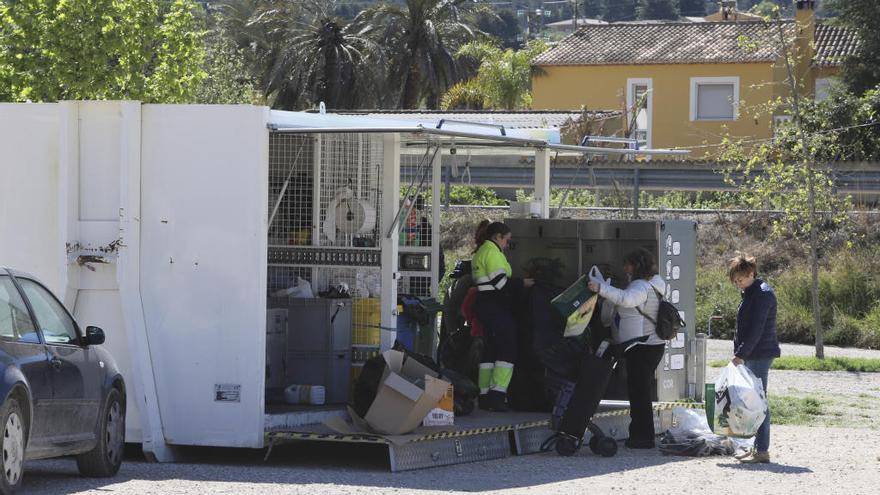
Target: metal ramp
x=480 y=436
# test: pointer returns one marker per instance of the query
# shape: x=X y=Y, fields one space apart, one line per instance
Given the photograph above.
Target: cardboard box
x=402 y=402
x=444 y=413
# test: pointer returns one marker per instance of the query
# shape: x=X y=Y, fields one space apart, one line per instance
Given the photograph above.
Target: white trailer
x=160 y=223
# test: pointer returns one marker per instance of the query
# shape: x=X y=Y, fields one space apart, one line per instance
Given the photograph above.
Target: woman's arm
x=634 y=295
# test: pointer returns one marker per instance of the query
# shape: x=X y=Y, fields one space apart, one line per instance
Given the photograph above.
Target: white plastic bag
x=686 y=420
x=740 y=402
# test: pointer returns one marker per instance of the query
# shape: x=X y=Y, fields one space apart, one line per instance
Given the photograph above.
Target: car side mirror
x=94 y=336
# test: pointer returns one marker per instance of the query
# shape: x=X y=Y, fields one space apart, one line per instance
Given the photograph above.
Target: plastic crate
x=366 y=318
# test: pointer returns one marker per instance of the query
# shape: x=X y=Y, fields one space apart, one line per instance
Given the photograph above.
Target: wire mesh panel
x=324 y=204
x=350 y=168
x=291 y=185
x=417 y=232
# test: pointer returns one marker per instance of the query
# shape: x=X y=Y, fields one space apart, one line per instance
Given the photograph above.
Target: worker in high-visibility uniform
x=494 y=306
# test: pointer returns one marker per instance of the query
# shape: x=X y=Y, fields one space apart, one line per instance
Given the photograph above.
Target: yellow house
x=702 y=80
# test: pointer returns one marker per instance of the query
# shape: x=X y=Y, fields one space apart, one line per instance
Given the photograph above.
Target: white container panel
x=31 y=237
x=203 y=269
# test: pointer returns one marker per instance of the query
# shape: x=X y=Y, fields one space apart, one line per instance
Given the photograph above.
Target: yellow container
x=365 y=320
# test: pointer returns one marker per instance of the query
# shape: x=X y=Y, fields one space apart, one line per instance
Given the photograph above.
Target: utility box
x=577 y=245
x=315 y=345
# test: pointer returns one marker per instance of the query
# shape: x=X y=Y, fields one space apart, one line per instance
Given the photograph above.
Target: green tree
x=692 y=8
x=620 y=10
x=228 y=79
x=790 y=173
x=592 y=8
x=658 y=9
x=766 y=8
x=421 y=38
x=145 y=50
x=504 y=77
x=861 y=72
x=317 y=57
x=505 y=26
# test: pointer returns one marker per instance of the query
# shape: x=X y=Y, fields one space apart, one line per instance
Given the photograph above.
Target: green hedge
x=849 y=292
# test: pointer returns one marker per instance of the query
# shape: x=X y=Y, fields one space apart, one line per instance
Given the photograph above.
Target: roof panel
x=689 y=43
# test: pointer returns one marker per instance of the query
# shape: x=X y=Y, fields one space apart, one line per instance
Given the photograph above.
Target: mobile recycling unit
x=185 y=231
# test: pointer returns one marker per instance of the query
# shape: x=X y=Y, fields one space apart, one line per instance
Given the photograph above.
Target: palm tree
x=503 y=80
x=307 y=55
x=422 y=38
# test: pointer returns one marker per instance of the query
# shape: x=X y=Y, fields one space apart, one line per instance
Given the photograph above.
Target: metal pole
x=636 y=193
x=700 y=364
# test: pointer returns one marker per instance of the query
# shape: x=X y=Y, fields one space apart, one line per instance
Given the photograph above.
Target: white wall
x=203 y=267
x=30 y=232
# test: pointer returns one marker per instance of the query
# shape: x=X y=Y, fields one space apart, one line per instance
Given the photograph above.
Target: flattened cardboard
x=401 y=405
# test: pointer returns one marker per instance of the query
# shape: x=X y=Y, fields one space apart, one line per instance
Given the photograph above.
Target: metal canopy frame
x=499 y=140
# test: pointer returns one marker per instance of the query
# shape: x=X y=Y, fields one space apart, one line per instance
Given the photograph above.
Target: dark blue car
x=62 y=392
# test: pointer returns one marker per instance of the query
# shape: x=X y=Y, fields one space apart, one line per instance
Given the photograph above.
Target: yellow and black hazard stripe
x=274 y=436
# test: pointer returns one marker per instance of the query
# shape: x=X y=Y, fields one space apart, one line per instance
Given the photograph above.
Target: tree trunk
x=811 y=195
x=814 y=266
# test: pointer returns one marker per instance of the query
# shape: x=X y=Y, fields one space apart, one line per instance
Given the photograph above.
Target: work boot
x=494 y=401
x=631 y=443
x=743 y=454
x=756 y=458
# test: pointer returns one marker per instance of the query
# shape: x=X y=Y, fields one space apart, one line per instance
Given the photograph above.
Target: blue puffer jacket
x=755 y=336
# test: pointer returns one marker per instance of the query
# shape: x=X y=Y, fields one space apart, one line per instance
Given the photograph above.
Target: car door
x=76 y=369
x=20 y=346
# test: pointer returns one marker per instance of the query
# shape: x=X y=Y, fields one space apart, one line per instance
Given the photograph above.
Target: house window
x=639 y=103
x=714 y=98
x=823 y=85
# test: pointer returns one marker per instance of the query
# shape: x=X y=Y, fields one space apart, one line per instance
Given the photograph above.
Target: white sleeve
x=634 y=295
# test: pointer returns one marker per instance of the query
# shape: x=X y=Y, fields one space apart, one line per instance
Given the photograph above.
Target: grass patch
x=804 y=363
x=786 y=410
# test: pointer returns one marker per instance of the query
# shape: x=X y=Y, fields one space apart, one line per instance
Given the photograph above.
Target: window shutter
x=715 y=101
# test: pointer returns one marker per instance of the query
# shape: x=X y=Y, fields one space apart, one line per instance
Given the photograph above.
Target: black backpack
x=668 y=321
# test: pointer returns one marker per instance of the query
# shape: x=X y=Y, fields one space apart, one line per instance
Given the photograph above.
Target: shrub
x=716 y=295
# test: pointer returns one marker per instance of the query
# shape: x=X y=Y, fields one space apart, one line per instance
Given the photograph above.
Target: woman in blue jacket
x=754 y=343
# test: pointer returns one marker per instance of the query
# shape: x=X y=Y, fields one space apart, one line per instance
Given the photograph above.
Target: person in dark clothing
x=496 y=291
x=755 y=344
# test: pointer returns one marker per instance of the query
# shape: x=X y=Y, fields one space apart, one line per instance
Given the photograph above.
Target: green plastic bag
x=577 y=321
x=573 y=297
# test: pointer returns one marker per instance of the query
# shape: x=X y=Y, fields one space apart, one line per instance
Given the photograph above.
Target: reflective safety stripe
x=494 y=281
x=485 y=377
x=490 y=267
x=501 y=376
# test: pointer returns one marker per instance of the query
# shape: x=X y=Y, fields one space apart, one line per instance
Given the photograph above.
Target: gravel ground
x=806 y=460
x=823 y=459
x=850 y=399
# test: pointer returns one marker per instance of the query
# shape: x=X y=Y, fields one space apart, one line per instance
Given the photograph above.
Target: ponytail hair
x=496 y=228
x=480 y=235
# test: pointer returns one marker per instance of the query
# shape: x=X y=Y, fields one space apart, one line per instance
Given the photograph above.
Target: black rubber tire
x=607 y=447
x=9 y=408
x=566 y=446
x=594 y=445
x=104 y=460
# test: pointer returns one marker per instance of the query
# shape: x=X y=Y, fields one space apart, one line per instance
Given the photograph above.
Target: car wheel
x=104 y=460
x=12 y=443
